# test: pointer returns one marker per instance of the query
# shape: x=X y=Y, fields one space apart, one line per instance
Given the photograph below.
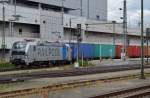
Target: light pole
x=124 y=48
x=81 y=2
x=125 y=29
x=40 y=19
x=62 y=11
x=142 y=40
x=147 y=40
x=88 y=9
x=114 y=30
x=79 y=30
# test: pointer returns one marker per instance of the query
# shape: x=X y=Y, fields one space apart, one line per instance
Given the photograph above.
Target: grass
x=4 y=87
x=5 y=65
x=85 y=63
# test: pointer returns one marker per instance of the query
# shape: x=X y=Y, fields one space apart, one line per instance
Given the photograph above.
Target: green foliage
x=6 y=65
x=85 y=63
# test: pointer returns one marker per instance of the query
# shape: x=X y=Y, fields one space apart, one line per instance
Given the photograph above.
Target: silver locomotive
x=30 y=53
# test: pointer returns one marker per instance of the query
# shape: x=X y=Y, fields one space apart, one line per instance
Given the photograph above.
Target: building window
x=36 y=21
x=34 y=48
x=44 y=22
x=128 y=41
x=20 y=31
x=97 y=17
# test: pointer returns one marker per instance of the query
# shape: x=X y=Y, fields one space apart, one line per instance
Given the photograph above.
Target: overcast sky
x=133 y=11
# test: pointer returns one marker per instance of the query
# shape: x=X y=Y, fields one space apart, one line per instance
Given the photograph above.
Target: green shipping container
x=104 y=51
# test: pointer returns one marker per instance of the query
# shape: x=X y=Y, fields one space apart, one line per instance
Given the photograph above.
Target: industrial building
x=92 y=9
x=56 y=20
x=44 y=19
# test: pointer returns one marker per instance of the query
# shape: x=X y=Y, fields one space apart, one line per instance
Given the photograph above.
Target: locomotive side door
x=34 y=53
x=40 y=53
x=30 y=54
x=69 y=54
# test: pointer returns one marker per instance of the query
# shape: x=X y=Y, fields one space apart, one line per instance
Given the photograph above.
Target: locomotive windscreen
x=19 y=48
x=19 y=45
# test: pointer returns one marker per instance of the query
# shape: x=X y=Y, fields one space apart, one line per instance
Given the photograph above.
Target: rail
x=137 y=92
x=43 y=91
x=65 y=73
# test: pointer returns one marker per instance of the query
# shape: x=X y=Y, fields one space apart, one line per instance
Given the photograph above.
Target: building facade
x=92 y=9
x=44 y=19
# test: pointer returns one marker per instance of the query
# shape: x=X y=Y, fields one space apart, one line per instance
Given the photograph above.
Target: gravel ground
x=116 y=62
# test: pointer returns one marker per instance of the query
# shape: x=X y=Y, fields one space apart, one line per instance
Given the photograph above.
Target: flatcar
x=34 y=53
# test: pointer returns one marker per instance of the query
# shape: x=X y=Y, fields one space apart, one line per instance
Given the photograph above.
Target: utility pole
x=70 y=23
x=147 y=40
x=3 y=29
x=62 y=10
x=15 y=5
x=3 y=34
x=81 y=2
x=124 y=50
x=79 y=39
x=11 y=21
x=142 y=40
x=88 y=9
x=40 y=10
x=70 y=31
x=114 y=31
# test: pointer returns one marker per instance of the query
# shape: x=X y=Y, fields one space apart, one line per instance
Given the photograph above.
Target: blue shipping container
x=64 y=52
x=85 y=50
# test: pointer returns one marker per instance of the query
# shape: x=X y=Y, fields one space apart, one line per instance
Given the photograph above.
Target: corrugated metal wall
x=90 y=8
x=51 y=26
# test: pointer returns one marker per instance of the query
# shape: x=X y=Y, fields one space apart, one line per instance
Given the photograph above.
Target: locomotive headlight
x=26 y=55
x=11 y=57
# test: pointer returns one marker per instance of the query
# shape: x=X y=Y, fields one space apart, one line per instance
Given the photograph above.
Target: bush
x=85 y=63
x=6 y=65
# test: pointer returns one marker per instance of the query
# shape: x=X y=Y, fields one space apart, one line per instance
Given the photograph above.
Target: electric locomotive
x=37 y=53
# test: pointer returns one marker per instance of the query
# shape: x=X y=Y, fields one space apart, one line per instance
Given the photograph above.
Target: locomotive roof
x=43 y=43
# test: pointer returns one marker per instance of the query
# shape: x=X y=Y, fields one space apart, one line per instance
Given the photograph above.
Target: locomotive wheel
x=20 y=66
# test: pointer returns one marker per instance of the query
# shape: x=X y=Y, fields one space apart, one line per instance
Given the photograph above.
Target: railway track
x=66 y=73
x=18 y=69
x=42 y=67
x=133 y=92
x=136 y=92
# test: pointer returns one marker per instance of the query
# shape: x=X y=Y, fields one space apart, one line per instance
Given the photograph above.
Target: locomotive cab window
x=34 y=48
x=20 y=31
x=19 y=45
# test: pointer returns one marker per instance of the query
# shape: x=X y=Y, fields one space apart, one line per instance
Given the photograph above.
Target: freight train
x=29 y=53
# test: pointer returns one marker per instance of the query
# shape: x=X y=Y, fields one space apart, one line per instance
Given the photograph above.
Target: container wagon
x=134 y=51
x=86 y=51
x=105 y=51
